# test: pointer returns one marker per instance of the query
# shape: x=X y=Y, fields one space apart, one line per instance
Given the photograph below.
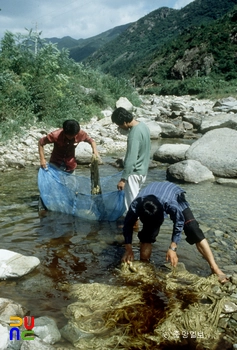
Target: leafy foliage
x=40 y=83
x=168 y=46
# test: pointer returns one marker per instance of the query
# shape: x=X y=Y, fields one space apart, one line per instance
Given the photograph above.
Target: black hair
x=121 y=116
x=152 y=209
x=71 y=127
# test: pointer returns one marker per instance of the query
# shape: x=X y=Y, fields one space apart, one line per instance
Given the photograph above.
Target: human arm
x=171 y=254
x=130 y=219
x=129 y=162
x=131 y=157
x=94 y=149
x=176 y=215
x=43 y=163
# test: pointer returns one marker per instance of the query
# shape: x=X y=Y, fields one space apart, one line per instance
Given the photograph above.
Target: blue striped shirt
x=167 y=194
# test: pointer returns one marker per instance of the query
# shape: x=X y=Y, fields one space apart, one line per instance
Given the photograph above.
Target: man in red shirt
x=65 y=141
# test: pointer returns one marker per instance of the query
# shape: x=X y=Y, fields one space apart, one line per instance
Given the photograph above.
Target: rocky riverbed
x=210 y=126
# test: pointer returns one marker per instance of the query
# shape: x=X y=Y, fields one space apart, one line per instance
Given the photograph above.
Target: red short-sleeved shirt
x=64 y=150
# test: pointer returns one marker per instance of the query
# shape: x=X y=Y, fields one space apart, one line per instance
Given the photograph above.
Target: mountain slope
x=90 y=45
x=133 y=50
x=82 y=48
x=205 y=51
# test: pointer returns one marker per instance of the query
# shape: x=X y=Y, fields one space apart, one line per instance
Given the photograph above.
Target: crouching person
x=151 y=204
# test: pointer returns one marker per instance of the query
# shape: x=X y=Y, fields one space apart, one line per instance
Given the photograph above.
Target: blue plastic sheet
x=71 y=194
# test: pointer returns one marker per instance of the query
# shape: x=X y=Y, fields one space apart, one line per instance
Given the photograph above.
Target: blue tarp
x=71 y=194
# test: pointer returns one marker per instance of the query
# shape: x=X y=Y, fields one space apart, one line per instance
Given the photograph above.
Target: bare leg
x=204 y=248
x=145 y=251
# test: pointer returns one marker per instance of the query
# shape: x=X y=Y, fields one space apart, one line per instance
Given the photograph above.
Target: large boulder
x=83 y=153
x=189 y=171
x=125 y=103
x=170 y=130
x=217 y=151
x=171 y=153
x=155 y=130
x=219 y=121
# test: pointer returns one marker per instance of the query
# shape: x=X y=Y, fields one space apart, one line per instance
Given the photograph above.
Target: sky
x=79 y=19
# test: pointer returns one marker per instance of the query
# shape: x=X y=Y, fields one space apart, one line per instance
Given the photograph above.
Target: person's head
x=122 y=117
x=152 y=210
x=71 y=128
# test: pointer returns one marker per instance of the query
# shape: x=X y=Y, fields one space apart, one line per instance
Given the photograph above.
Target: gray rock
x=10 y=308
x=194 y=119
x=46 y=329
x=220 y=120
x=227 y=182
x=4 y=337
x=229 y=307
x=217 y=151
x=189 y=171
x=155 y=129
x=36 y=344
x=16 y=265
x=125 y=103
x=170 y=130
x=228 y=105
x=171 y=153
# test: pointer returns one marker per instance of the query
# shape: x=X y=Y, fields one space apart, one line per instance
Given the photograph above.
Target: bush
x=50 y=87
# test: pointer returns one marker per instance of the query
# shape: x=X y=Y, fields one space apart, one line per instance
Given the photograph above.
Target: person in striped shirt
x=151 y=205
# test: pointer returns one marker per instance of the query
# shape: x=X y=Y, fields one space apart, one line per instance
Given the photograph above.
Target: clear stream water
x=75 y=251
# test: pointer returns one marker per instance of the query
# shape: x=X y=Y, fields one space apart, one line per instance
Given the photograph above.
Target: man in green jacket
x=137 y=158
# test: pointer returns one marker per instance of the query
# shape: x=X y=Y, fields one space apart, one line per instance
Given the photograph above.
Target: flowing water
x=72 y=250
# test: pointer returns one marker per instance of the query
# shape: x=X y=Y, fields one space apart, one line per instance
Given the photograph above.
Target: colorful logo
x=16 y=333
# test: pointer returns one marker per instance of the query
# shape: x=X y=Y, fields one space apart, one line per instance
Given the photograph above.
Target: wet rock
x=15 y=265
x=4 y=336
x=227 y=182
x=36 y=344
x=229 y=307
x=10 y=308
x=46 y=329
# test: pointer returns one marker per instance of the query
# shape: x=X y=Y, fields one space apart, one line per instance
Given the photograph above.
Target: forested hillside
x=153 y=49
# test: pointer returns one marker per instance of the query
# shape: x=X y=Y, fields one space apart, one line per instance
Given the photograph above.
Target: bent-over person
x=151 y=205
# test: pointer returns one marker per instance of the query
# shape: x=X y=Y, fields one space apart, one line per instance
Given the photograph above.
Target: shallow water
x=72 y=250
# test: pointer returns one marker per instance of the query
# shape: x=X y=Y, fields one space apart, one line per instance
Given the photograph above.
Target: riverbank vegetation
x=39 y=83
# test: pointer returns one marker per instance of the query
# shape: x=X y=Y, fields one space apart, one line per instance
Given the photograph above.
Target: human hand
x=128 y=256
x=172 y=257
x=121 y=185
x=97 y=157
x=43 y=163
